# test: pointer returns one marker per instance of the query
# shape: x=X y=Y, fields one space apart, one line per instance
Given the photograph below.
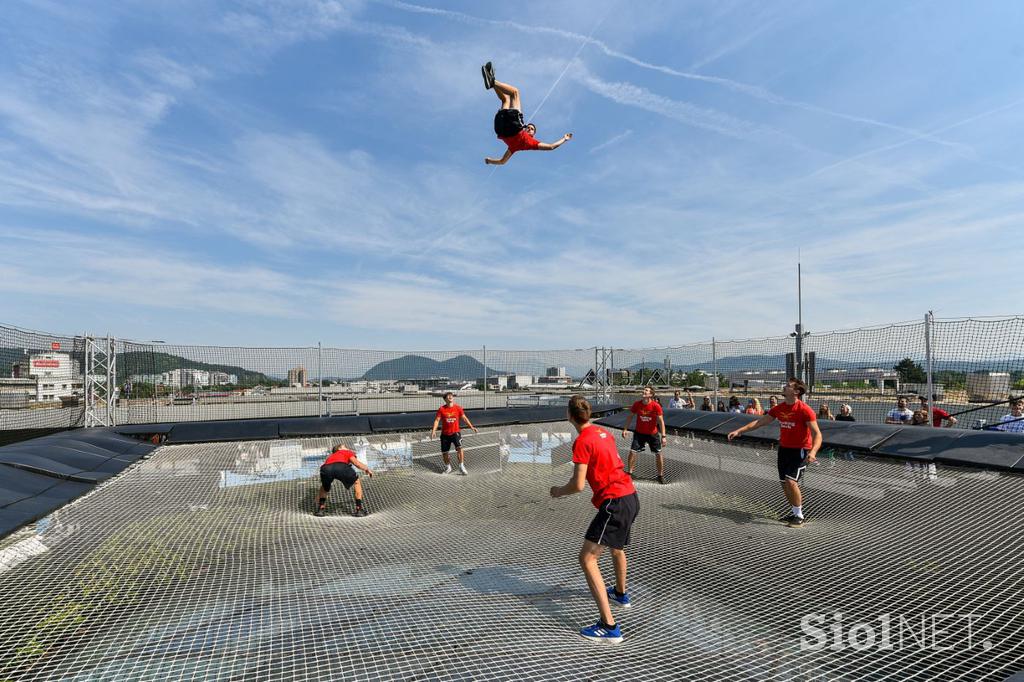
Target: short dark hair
x=799 y=386
x=579 y=409
x=449 y=393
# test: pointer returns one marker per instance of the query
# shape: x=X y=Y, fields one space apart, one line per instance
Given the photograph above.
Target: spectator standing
x=919 y=418
x=938 y=414
x=1013 y=422
x=901 y=414
x=734 y=405
x=721 y=406
x=754 y=407
x=706 y=406
x=845 y=413
x=824 y=412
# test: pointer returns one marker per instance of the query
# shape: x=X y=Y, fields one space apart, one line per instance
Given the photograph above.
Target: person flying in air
x=508 y=122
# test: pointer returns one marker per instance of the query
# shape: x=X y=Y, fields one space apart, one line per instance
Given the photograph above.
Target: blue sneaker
x=599 y=633
x=613 y=598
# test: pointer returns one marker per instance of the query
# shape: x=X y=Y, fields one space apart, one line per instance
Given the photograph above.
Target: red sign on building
x=46 y=363
x=54 y=346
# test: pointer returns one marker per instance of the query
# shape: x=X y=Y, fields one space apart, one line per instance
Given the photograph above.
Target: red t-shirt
x=595 y=447
x=450 y=417
x=521 y=141
x=937 y=416
x=646 y=416
x=793 y=419
x=343 y=456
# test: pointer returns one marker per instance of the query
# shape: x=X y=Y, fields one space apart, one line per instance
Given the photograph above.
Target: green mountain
x=459 y=368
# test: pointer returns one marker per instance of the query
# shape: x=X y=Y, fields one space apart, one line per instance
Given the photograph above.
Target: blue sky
x=285 y=172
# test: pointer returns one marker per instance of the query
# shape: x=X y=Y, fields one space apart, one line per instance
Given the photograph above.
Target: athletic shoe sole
x=602 y=640
x=487 y=71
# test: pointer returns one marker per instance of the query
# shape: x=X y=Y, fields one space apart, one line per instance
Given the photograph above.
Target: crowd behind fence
x=974 y=367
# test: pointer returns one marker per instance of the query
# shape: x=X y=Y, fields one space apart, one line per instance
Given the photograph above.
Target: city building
x=297 y=377
x=48 y=377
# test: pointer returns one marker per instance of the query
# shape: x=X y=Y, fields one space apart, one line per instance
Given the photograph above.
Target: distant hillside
x=459 y=368
x=141 y=362
x=739 y=363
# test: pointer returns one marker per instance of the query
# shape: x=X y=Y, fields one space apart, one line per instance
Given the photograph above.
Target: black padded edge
x=613 y=421
x=144 y=429
x=29 y=509
x=857 y=436
x=324 y=426
x=678 y=419
x=917 y=442
x=223 y=431
x=985 y=448
x=413 y=421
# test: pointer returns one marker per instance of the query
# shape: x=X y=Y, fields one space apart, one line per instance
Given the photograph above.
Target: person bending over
x=508 y=122
x=339 y=467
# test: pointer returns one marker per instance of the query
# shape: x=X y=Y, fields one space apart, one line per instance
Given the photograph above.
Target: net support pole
x=319 y=379
x=714 y=368
x=928 y=366
x=485 y=377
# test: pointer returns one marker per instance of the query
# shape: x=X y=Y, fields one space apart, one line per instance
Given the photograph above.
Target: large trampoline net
x=205 y=562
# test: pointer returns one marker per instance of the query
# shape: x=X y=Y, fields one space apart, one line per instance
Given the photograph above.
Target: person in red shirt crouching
x=597 y=462
x=508 y=122
x=338 y=466
x=797 y=424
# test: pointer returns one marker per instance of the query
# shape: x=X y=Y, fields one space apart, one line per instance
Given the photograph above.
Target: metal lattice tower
x=100 y=381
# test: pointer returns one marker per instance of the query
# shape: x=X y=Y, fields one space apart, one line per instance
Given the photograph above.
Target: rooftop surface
x=205 y=562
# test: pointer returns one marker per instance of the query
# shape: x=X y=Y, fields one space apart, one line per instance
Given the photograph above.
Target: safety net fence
x=205 y=562
x=973 y=367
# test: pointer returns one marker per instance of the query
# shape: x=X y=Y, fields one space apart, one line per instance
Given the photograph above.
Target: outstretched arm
x=362 y=467
x=546 y=146
x=499 y=162
x=763 y=420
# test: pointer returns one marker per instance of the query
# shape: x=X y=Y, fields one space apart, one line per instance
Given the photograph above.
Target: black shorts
x=337 y=471
x=792 y=462
x=448 y=441
x=641 y=439
x=508 y=122
x=613 y=522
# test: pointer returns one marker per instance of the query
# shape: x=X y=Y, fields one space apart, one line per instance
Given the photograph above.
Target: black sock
x=620 y=595
x=359 y=502
x=321 y=502
x=606 y=626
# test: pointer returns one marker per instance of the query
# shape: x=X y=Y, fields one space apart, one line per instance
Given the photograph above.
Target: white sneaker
x=447 y=469
x=462 y=468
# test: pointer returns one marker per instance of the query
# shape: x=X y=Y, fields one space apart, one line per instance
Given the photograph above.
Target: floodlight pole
x=485 y=377
x=799 y=324
x=319 y=379
x=928 y=365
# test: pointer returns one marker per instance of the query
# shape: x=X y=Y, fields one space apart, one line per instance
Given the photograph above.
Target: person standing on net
x=596 y=462
x=650 y=431
x=799 y=442
x=449 y=416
